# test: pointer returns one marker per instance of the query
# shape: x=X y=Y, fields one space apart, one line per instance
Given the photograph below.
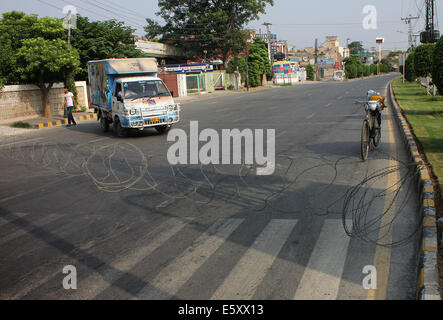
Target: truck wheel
x=163 y=129
x=119 y=130
x=104 y=123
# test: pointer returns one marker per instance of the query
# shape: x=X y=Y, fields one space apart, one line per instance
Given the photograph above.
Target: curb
x=428 y=278
x=59 y=123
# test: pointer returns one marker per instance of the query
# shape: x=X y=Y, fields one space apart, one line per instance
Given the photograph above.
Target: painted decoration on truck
x=99 y=84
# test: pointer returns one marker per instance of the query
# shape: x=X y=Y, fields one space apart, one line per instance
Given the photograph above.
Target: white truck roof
x=135 y=79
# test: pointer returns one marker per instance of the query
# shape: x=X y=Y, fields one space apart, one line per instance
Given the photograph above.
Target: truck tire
x=163 y=129
x=119 y=130
x=104 y=123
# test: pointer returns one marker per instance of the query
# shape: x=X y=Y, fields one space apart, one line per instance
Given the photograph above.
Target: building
x=330 y=56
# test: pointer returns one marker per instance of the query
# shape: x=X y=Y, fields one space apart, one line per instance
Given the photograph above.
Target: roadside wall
x=26 y=100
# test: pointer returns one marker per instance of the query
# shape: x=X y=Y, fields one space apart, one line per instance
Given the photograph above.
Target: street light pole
x=247 y=67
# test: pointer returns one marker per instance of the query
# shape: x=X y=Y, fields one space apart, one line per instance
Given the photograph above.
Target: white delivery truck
x=128 y=94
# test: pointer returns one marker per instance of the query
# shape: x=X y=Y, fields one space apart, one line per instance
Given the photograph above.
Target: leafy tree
x=374 y=69
x=353 y=67
x=216 y=26
x=367 y=71
x=355 y=47
x=410 y=74
x=44 y=62
x=310 y=72
x=258 y=63
x=102 y=40
x=437 y=68
x=15 y=27
x=424 y=59
x=385 y=66
x=351 y=71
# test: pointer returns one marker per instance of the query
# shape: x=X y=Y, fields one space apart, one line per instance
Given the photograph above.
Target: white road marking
x=18 y=142
x=96 y=283
x=281 y=133
x=328 y=104
x=309 y=117
x=176 y=274
x=252 y=268
x=98 y=140
x=321 y=279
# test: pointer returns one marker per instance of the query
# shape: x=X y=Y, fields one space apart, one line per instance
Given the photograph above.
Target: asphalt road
x=137 y=228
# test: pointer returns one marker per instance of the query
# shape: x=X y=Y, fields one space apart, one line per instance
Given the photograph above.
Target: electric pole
x=267 y=25
x=316 y=59
x=430 y=35
x=408 y=21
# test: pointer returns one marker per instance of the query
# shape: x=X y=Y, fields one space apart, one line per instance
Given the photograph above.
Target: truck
x=128 y=94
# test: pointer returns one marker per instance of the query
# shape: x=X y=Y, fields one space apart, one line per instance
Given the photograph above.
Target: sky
x=298 y=22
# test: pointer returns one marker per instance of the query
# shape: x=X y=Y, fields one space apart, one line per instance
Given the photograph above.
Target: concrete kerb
x=58 y=123
x=428 y=278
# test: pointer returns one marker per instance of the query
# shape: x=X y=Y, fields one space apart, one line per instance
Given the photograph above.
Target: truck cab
x=128 y=94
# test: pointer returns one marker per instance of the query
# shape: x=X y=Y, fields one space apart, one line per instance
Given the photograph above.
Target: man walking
x=70 y=104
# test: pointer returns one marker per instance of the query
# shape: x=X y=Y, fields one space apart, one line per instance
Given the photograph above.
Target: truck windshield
x=145 y=89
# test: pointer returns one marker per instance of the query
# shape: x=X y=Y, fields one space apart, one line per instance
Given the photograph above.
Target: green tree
x=410 y=74
x=353 y=67
x=374 y=69
x=216 y=26
x=437 y=67
x=45 y=62
x=310 y=72
x=385 y=66
x=424 y=59
x=355 y=47
x=367 y=71
x=16 y=27
x=258 y=63
x=96 y=40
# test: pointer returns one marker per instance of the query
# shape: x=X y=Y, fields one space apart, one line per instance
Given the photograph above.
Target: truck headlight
x=133 y=112
x=170 y=108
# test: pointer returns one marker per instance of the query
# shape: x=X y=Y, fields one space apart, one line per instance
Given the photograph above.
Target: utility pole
x=247 y=66
x=430 y=35
x=408 y=21
x=316 y=59
x=267 y=25
x=69 y=28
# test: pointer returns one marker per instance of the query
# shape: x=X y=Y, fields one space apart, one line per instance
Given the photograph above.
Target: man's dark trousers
x=71 y=119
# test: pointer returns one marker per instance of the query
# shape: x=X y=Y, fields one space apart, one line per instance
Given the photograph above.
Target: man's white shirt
x=69 y=99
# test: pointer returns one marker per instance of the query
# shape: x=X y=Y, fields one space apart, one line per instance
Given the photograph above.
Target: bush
x=21 y=124
x=424 y=59
x=410 y=74
x=351 y=71
x=437 y=68
x=310 y=73
x=367 y=71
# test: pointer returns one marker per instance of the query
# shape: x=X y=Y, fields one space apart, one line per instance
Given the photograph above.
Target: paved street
x=137 y=228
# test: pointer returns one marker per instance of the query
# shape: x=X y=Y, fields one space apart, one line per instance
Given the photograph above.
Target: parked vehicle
x=339 y=75
x=128 y=94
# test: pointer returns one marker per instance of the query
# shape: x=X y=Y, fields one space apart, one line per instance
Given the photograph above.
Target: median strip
x=428 y=277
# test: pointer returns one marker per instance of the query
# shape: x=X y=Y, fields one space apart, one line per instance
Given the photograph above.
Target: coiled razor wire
x=135 y=172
